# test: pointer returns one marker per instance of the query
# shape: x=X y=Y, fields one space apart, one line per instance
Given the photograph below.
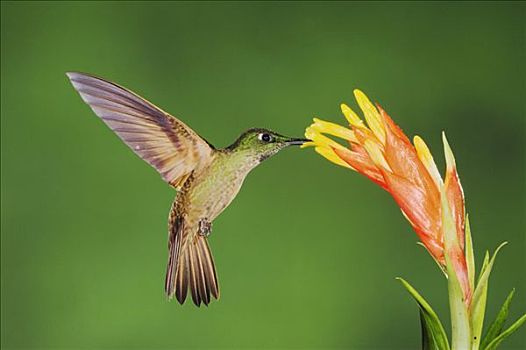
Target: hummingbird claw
x=205 y=228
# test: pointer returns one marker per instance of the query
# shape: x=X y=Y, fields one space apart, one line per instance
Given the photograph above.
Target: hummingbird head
x=261 y=144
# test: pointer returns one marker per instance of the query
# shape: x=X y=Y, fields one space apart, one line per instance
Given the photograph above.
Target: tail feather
x=174 y=246
x=194 y=288
x=209 y=267
x=204 y=290
x=181 y=284
x=190 y=266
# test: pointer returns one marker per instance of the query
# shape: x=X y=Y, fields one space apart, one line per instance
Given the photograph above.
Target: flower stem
x=460 y=324
x=460 y=328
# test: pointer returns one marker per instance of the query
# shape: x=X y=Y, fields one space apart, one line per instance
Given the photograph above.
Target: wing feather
x=162 y=140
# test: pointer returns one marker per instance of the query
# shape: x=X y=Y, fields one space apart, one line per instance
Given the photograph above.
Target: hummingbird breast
x=210 y=190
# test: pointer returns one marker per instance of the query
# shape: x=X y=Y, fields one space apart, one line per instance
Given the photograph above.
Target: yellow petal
x=310 y=132
x=330 y=155
x=334 y=129
x=373 y=118
x=427 y=159
x=375 y=152
x=351 y=117
x=321 y=140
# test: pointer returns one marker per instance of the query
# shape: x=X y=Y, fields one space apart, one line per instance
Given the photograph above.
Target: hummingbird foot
x=205 y=228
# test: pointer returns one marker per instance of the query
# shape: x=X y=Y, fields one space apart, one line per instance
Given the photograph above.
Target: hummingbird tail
x=190 y=266
x=199 y=269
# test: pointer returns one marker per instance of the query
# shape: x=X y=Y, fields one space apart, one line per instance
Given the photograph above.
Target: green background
x=308 y=252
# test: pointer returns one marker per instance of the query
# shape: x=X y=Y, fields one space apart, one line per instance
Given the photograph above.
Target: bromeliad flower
x=379 y=150
x=384 y=154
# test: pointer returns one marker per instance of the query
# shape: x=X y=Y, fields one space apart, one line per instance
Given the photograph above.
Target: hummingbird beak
x=298 y=142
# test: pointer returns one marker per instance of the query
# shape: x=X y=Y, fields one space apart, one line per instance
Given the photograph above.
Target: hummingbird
x=206 y=178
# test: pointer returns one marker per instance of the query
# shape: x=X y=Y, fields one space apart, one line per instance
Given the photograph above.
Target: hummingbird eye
x=265 y=137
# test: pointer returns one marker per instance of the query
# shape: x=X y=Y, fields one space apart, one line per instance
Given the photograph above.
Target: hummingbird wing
x=162 y=140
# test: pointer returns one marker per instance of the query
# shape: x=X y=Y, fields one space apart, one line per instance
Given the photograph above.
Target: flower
x=379 y=150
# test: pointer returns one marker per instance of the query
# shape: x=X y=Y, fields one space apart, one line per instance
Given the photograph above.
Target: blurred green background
x=308 y=252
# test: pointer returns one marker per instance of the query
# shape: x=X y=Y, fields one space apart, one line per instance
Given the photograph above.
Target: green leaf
x=496 y=327
x=433 y=335
x=470 y=257
x=485 y=272
x=496 y=342
x=478 y=303
x=484 y=264
x=428 y=342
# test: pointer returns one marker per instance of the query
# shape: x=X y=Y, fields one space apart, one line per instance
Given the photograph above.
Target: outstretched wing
x=162 y=140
